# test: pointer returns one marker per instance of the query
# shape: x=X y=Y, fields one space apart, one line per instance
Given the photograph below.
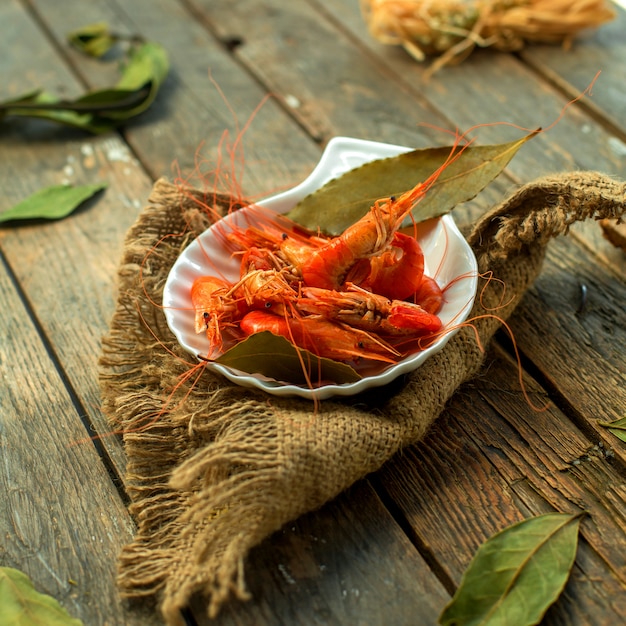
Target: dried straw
x=451 y=29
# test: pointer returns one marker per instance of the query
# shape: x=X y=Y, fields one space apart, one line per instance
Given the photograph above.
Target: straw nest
x=451 y=29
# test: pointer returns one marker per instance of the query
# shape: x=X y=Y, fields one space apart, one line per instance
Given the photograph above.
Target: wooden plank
x=183 y=128
x=78 y=256
x=603 y=50
x=592 y=377
x=62 y=521
x=327 y=84
x=490 y=461
x=394 y=79
x=348 y=563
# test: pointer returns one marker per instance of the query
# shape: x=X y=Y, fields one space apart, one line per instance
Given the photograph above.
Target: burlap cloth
x=215 y=468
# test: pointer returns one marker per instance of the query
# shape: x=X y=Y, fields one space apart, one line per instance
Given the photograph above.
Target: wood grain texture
x=347 y=563
x=490 y=461
x=325 y=84
x=62 y=520
x=391 y=549
x=182 y=130
x=576 y=344
x=601 y=50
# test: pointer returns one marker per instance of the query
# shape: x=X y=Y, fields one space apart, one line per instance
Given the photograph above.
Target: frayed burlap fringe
x=215 y=468
x=451 y=29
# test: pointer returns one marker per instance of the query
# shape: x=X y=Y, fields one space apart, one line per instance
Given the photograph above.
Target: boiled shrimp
x=332 y=296
x=215 y=307
x=397 y=276
x=265 y=289
x=328 y=265
x=368 y=311
x=322 y=337
x=429 y=295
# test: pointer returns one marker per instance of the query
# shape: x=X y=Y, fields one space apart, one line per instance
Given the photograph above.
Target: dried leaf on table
x=146 y=70
x=517 y=574
x=93 y=39
x=43 y=105
x=51 y=203
x=617 y=428
x=357 y=189
x=100 y=111
x=22 y=605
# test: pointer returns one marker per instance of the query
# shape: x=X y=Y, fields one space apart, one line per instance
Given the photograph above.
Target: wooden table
x=392 y=549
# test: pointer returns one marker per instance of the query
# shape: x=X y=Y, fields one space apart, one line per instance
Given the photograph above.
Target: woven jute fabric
x=214 y=468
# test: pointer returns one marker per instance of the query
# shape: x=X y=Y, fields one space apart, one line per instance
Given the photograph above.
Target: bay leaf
x=275 y=357
x=106 y=101
x=344 y=200
x=146 y=69
x=102 y=110
x=617 y=428
x=51 y=203
x=43 y=105
x=24 y=98
x=517 y=574
x=22 y=605
x=92 y=39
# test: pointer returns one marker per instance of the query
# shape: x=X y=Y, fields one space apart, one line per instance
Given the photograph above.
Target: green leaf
x=22 y=605
x=146 y=70
x=43 y=105
x=93 y=39
x=25 y=98
x=617 y=428
x=51 y=203
x=344 y=200
x=102 y=110
x=275 y=357
x=516 y=574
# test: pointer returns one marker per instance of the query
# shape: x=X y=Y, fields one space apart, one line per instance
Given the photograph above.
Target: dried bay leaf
x=146 y=69
x=617 y=428
x=100 y=111
x=517 y=574
x=273 y=356
x=51 y=203
x=43 y=105
x=344 y=200
x=93 y=39
x=22 y=605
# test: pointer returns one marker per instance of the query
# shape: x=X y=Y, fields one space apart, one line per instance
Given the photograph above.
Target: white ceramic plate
x=447 y=257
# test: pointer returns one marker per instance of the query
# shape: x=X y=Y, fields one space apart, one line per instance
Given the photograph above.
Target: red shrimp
x=359 y=308
x=397 y=277
x=215 y=307
x=429 y=295
x=322 y=337
x=265 y=289
x=328 y=265
x=255 y=258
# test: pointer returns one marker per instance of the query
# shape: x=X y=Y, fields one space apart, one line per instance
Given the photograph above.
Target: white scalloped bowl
x=447 y=255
